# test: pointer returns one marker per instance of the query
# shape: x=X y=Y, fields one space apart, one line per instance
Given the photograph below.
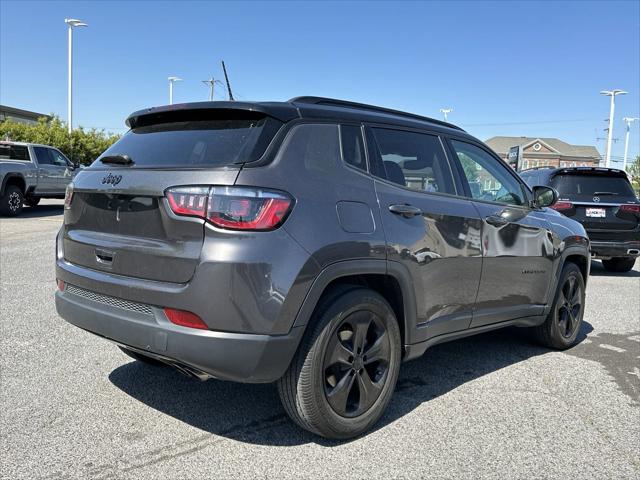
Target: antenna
x=226 y=77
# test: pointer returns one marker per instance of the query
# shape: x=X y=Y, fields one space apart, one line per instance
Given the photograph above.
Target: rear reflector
x=562 y=206
x=185 y=319
x=60 y=285
x=232 y=208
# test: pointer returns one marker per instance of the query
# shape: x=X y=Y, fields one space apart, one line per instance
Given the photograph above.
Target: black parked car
x=603 y=200
x=317 y=243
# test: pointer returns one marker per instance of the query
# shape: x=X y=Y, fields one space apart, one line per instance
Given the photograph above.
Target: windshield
x=201 y=143
x=592 y=184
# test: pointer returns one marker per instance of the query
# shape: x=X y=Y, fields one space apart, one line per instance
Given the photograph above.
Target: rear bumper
x=227 y=356
x=601 y=249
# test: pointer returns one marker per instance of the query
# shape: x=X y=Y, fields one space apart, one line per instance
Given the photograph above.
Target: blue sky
x=506 y=68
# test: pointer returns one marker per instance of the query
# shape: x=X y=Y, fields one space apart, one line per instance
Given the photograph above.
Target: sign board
x=514 y=156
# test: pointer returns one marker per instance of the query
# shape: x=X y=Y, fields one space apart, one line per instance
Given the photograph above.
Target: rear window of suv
x=591 y=184
x=196 y=144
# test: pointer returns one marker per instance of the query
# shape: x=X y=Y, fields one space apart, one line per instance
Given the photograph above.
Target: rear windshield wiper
x=118 y=159
x=605 y=193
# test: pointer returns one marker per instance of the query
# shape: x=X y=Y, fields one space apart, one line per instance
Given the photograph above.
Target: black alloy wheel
x=356 y=363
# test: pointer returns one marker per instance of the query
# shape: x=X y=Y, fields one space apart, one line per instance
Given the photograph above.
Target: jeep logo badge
x=112 y=179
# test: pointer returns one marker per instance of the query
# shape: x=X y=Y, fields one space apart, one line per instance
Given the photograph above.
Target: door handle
x=496 y=220
x=405 y=210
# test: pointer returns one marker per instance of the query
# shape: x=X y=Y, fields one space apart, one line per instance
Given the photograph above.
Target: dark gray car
x=315 y=242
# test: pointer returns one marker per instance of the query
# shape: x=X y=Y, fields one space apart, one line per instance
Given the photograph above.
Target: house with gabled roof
x=542 y=152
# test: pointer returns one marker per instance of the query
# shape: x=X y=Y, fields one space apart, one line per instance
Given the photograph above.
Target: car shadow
x=253 y=414
x=41 y=211
x=597 y=270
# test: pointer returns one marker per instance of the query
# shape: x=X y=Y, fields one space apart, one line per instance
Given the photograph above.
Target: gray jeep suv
x=317 y=243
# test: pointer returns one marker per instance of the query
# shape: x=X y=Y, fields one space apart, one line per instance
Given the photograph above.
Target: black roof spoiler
x=278 y=110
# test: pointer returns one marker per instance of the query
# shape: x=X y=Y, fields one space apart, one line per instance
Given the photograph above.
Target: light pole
x=211 y=82
x=612 y=109
x=445 y=112
x=71 y=23
x=628 y=121
x=171 y=80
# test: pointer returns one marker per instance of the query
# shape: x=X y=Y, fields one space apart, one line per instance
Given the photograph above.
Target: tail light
x=631 y=208
x=68 y=196
x=185 y=319
x=233 y=208
x=560 y=206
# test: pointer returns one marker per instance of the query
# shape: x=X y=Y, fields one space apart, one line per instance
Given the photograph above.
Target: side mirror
x=544 y=196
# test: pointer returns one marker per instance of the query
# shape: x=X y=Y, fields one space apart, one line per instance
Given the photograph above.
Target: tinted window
x=414 y=160
x=316 y=146
x=201 y=143
x=14 y=152
x=352 y=146
x=591 y=184
x=488 y=178
x=43 y=155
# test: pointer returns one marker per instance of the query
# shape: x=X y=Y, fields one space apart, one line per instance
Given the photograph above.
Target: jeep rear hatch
x=119 y=219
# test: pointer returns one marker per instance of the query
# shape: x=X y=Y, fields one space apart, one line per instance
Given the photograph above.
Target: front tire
x=561 y=328
x=12 y=201
x=343 y=376
x=619 y=264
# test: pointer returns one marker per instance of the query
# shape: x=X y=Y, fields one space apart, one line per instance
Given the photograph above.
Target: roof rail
x=373 y=108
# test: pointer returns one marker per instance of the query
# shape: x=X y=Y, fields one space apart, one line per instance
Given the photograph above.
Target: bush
x=82 y=146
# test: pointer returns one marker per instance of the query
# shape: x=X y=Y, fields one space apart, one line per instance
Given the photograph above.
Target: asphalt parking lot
x=493 y=406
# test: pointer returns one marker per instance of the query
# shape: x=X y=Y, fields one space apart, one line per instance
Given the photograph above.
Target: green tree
x=82 y=146
x=634 y=171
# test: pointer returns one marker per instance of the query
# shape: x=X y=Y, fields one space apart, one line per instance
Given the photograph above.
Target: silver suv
x=315 y=242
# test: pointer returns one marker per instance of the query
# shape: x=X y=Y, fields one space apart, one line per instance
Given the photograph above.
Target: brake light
x=68 y=196
x=560 y=206
x=630 y=208
x=190 y=201
x=233 y=208
x=185 y=319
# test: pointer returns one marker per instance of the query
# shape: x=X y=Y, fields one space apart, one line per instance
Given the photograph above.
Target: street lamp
x=171 y=80
x=612 y=109
x=628 y=121
x=71 y=23
x=445 y=112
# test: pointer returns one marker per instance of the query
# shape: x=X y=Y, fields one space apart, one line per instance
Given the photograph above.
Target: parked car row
x=29 y=172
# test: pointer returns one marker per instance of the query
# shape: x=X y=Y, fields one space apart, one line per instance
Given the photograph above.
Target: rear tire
x=141 y=357
x=32 y=201
x=619 y=264
x=561 y=328
x=345 y=371
x=12 y=201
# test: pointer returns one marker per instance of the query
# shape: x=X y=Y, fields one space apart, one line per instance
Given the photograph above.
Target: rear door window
x=43 y=155
x=591 y=184
x=196 y=144
x=414 y=160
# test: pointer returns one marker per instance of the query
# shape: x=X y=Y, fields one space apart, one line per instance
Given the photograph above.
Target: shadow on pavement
x=597 y=270
x=40 y=211
x=253 y=414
